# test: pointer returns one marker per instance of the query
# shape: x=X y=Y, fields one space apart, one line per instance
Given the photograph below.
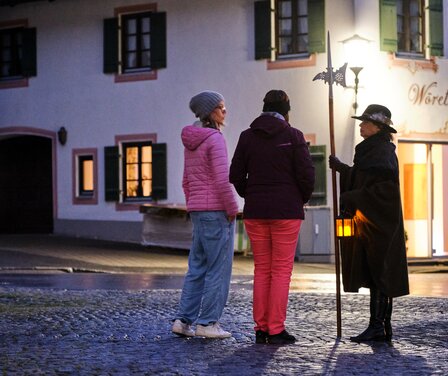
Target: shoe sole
x=213 y=337
x=182 y=334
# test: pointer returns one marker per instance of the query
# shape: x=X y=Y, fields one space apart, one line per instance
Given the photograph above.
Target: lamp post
x=356 y=50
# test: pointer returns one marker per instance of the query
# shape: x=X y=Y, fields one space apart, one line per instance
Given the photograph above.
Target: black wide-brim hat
x=378 y=115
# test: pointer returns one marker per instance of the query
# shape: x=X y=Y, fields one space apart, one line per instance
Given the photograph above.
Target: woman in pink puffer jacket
x=212 y=207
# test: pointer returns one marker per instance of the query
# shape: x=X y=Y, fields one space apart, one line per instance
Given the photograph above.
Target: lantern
x=345 y=227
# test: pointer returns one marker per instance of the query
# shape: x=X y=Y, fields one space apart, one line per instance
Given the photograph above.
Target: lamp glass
x=356 y=50
x=345 y=227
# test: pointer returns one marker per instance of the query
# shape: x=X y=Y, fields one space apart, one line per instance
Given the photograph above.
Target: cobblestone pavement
x=127 y=332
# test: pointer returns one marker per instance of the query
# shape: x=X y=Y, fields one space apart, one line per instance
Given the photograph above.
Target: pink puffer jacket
x=206 y=171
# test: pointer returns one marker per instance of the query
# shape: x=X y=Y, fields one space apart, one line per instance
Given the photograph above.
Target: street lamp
x=356 y=50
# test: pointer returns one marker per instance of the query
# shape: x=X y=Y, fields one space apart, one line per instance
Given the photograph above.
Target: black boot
x=375 y=330
x=387 y=318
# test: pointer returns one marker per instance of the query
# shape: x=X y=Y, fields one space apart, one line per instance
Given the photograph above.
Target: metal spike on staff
x=329 y=76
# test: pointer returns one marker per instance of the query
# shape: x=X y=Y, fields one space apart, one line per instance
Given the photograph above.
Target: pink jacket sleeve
x=220 y=167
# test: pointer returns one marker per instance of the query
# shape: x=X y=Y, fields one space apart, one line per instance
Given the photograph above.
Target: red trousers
x=273 y=243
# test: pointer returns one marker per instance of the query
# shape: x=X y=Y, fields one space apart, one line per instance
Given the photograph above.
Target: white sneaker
x=212 y=331
x=182 y=329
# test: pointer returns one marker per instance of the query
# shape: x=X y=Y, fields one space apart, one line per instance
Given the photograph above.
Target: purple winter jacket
x=272 y=169
x=206 y=171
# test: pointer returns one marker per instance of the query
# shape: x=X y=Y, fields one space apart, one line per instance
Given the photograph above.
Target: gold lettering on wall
x=426 y=94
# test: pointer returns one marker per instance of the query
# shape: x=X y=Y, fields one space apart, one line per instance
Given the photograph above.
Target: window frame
x=406 y=20
x=294 y=19
x=117 y=198
x=78 y=196
x=432 y=44
x=139 y=49
x=124 y=166
x=267 y=31
x=20 y=80
x=114 y=44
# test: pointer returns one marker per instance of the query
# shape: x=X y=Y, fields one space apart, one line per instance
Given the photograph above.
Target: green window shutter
x=262 y=15
x=159 y=172
x=316 y=26
x=388 y=26
x=111 y=166
x=110 y=45
x=436 y=27
x=29 y=60
x=318 y=156
x=158 y=40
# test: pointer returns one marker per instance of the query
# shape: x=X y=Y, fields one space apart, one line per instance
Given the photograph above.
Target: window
x=319 y=158
x=292 y=27
x=85 y=181
x=410 y=29
x=137 y=167
x=135 y=43
x=135 y=171
x=85 y=173
x=299 y=29
x=410 y=26
x=17 y=54
x=136 y=52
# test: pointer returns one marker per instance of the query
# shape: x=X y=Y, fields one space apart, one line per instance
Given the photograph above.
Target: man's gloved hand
x=335 y=163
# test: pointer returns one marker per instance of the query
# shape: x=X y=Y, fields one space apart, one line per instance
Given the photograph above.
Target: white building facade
x=94 y=94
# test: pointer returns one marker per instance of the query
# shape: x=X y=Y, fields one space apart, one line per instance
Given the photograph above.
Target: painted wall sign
x=424 y=95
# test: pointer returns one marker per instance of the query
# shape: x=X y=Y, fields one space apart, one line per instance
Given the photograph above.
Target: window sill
x=133 y=77
x=129 y=206
x=293 y=63
x=413 y=65
x=85 y=200
x=12 y=84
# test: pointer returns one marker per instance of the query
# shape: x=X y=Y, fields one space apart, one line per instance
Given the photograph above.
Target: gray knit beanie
x=204 y=103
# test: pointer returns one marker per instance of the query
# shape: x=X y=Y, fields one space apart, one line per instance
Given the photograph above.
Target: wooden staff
x=329 y=77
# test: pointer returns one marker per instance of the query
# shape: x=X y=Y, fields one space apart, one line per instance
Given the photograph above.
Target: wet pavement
x=70 y=307
x=127 y=332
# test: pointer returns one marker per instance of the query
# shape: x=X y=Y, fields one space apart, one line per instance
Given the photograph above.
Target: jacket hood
x=193 y=136
x=268 y=126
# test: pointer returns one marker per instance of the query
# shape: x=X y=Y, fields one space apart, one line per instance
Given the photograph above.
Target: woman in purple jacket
x=273 y=171
x=212 y=207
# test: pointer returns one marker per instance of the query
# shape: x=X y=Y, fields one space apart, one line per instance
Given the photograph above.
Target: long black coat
x=370 y=190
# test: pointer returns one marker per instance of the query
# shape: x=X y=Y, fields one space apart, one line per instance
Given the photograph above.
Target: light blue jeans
x=207 y=282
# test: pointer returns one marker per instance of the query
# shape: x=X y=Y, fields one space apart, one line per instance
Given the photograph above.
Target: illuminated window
x=86 y=184
x=137 y=167
x=85 y=177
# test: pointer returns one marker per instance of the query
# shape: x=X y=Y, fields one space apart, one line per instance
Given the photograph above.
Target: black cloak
x=370 y=191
